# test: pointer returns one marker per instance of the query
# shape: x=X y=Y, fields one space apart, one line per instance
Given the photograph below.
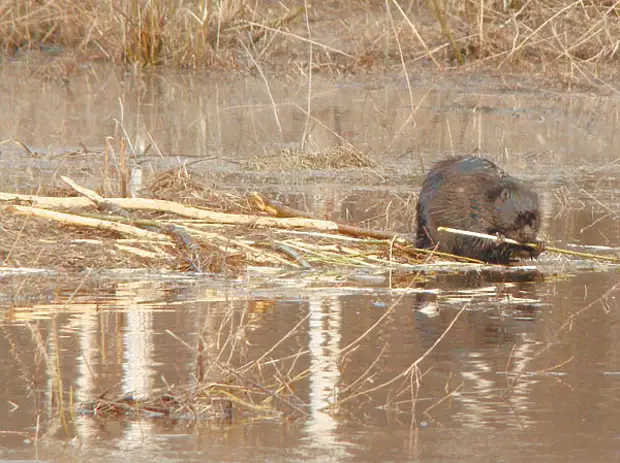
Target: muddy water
x=514 y=367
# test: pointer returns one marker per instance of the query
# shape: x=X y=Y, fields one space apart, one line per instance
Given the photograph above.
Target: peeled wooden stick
x=80 y=221
x=101 y=203
x=280 y=210
x=47 y=201
x=585 y=255
x=179 y=209
x=90 y=194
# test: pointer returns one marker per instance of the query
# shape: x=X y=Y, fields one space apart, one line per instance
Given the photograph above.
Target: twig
x=280 y=210
x=417 y=34
x=80 y=221
x=288 y=251
x=446 y=31
x=529 y=245
x=305 y=135
x=179 y=209
x=271 y=394
x=515 y=48
x=298 y=37
x=410 y=368
x=400 y=53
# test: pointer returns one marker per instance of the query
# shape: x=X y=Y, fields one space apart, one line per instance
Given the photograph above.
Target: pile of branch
x=96 y=232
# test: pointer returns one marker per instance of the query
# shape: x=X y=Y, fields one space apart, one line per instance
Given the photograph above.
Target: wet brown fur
x=473 y=194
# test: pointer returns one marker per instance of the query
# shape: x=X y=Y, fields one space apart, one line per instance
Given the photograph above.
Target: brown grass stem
x=400 y=53
x=417 y=34
x=269 y=351
x=516 y=48
x=304 y=137
x=481 y=25
x=407 y=371
x=262 y=75
x=447 y=32
x=299 y=37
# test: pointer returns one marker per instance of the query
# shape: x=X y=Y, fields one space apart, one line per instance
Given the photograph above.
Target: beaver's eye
x=527 y=219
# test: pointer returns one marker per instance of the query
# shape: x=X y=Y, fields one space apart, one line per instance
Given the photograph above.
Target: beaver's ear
x=505 y=194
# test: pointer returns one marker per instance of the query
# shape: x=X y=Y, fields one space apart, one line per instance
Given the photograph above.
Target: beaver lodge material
x=78 y=229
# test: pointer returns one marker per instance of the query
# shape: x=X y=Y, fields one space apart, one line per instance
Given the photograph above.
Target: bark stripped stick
x=179 y=209
x=77 y=220
x=280 y=210
x=585 y=255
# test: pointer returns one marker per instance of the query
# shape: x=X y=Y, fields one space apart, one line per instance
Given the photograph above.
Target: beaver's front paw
x=540 y=247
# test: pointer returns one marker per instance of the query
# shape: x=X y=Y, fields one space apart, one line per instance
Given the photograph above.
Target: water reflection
x=324 y=334
x=494 y=363
x=138 y=355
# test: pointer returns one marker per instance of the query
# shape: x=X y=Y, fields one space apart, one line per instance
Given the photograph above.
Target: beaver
x=472 y=193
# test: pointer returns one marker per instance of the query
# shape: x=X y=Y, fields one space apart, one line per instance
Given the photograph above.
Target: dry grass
x=231 y=396
x=336 y=157
x=192 y=34
x=203 y=230
x=36 y=243
x=225 y=236
x=224 y=385
x=178 y=185
x=576 y=39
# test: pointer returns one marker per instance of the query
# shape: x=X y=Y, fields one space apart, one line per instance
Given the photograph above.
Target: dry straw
x=575 y=41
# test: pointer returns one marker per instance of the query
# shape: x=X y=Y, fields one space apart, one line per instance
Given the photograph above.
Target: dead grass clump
x=336 y=157
x=575 y=40
x=229 y=377
x=32 y=243
x=188 y=33
x=95 y=233
x=178 y=185
x=386 y=212
x=225 y=399
x=575 y=37
x=560 y=35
